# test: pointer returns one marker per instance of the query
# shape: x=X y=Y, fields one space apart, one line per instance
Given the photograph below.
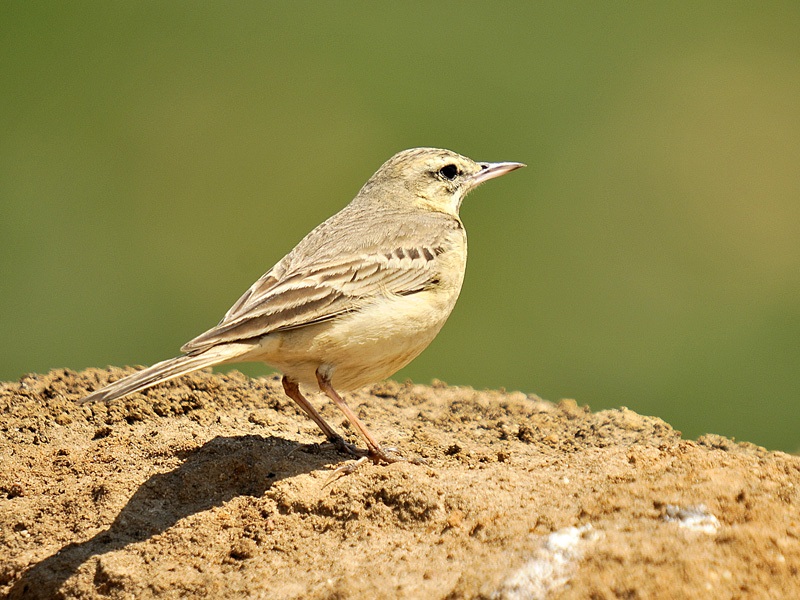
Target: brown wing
x=284 y=298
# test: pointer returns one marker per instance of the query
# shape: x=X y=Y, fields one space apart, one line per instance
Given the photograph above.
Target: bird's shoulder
x=351 y=257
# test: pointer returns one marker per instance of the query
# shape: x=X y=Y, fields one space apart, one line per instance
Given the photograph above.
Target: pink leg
x=376 y=453
x=293 y=391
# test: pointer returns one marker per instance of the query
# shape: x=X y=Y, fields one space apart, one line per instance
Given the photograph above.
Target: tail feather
x=168 y=369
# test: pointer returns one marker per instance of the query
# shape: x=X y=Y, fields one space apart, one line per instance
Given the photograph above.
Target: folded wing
x=286 y=298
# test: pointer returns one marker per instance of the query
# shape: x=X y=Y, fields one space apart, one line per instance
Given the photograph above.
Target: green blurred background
x=156 y=158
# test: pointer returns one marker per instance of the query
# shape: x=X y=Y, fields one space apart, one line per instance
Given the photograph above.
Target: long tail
x=169 y=369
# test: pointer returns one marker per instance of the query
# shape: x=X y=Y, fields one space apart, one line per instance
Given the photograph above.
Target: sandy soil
x=214 y=487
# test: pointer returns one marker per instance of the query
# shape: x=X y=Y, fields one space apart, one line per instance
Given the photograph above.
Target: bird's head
x=432 y=178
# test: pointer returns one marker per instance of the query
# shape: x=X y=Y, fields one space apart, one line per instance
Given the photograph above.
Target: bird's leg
x=376 y=453
x=293 y=391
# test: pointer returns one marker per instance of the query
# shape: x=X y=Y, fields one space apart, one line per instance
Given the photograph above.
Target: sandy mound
x=213 y=486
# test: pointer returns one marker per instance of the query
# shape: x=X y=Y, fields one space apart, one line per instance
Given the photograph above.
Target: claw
x=376 y=455
x=388 y=456
x=345 y=469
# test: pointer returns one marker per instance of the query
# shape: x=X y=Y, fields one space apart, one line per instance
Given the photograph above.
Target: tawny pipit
x=358 y=298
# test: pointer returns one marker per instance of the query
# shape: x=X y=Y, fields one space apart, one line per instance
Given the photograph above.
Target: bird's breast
x=366 y=345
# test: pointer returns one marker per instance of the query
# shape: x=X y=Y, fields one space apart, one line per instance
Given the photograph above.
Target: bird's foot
x=391 y=455
x=345 y=469
x=347 y=448
x=377 y=455
x=387 y=455
x=337 y=443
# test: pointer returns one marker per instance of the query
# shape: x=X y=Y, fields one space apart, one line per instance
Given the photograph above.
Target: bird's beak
x=491 y=170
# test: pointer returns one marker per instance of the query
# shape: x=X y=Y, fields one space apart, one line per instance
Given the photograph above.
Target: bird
x=357 y=299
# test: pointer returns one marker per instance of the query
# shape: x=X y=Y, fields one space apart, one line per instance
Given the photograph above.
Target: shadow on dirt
x=222 y=469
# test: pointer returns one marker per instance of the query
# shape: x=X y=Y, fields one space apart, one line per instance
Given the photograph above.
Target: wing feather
x=285 y=298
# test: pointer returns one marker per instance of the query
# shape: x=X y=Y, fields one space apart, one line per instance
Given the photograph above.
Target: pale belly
x=361 y=347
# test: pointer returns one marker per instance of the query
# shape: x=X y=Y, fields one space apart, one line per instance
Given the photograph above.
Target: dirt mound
x=214 y=486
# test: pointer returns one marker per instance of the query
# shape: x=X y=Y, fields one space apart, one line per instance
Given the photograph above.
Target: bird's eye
x=449 y=172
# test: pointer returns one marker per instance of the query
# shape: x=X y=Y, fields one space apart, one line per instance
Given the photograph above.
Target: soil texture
x=218 y=486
